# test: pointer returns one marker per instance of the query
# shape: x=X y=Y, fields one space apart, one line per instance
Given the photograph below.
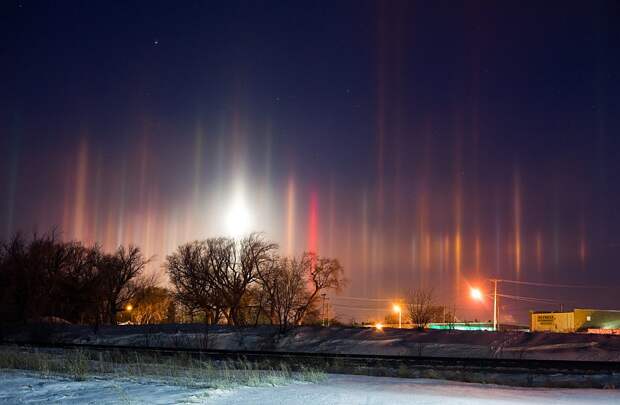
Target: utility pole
x=495 y=308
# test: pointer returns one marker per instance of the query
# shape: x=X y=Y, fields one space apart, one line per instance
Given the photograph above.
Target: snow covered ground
x=20 y=387
x=349 y=390
x=507 y=345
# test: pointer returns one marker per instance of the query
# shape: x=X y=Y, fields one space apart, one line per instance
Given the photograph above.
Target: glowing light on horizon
x=313 y=223
x=539 y=252
x=478 y=254
x=476 y=294
x=517 y=223
x=79 y=207
x=458 y=241
x=290 y=217
x=435 y=242
x=238 y=218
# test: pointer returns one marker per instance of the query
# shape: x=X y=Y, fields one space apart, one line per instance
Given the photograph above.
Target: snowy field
x=17 y=387
x=399 y=342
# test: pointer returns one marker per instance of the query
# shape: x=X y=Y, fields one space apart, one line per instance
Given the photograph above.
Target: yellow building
x=578 y=320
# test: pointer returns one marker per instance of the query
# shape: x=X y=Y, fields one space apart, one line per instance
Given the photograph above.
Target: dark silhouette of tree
x=243 y=281
x=44 y=278
x=323 y=274
x=245 y=259
x=293 y=286
x=74 y=275
x=119 y=279
x=420 y=306
x=191 y=272
x=215 y=275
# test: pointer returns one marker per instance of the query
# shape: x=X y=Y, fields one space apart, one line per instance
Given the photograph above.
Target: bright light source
x=378 y=326
x=396 y=308
x=129 y=307
x=238 y=219
x=476 y=294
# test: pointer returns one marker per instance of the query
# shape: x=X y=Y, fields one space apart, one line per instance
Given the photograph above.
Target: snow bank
x=347 y=340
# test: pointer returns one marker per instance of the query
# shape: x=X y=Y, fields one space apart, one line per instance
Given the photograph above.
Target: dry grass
x=176 y=369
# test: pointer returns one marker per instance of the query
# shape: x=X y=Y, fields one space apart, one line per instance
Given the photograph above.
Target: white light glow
x=476 y=294
x=238 y=218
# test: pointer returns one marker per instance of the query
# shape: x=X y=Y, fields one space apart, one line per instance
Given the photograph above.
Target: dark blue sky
x=416 y=127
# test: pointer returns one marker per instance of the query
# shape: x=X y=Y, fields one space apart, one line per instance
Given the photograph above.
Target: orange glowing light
x=378 y=326
x=476 y=294
x=129 y=307
x=313 y=222
x=396 y=308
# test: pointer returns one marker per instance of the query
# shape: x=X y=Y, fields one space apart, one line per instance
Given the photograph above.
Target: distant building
x=578 y=320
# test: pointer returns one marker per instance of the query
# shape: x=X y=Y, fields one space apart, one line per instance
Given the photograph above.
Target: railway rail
x=607 y=372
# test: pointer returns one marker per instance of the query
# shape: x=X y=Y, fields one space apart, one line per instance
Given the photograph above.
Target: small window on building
x=588 y=318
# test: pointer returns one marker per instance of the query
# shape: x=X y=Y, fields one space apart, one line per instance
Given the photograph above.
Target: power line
x=368 y=299
x=359 y=308
x=531 y=299
x=554 y=285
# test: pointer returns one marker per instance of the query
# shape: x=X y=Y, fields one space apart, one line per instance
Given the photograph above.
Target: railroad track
x=334 y=362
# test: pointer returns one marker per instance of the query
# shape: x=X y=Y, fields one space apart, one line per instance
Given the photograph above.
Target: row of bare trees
x=422 y=309
x=247 y=282
x=239 y=282
x=44 y=277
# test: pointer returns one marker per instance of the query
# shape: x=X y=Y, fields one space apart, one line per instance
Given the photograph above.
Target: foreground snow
x=353 y=390
x=22 y=387
x=17 y=387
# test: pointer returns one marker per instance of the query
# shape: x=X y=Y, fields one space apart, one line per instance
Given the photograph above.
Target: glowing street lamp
x=128 y=307
x=378 y=326
x=477 y=295
x=397 y=308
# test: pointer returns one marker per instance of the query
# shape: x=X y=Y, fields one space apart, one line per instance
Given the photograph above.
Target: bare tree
x=215 y=275
x=45 y=278
x=323 y=274
x=119 y=279
x=150 y=305
x=420 y=307
x=191 y=272
x=293 y=286
x=78 y=295
x=284 y=286
x=236 y=266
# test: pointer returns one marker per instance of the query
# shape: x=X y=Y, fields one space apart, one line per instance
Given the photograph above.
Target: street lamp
x=397 y=308
x=477 y=295
x=129 y=307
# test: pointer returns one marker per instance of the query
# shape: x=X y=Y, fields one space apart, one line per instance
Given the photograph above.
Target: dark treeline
x=217 y=280
x=43 y=278
x=246 y=282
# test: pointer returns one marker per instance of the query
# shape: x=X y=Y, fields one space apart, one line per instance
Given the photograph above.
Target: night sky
x=421 y=143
